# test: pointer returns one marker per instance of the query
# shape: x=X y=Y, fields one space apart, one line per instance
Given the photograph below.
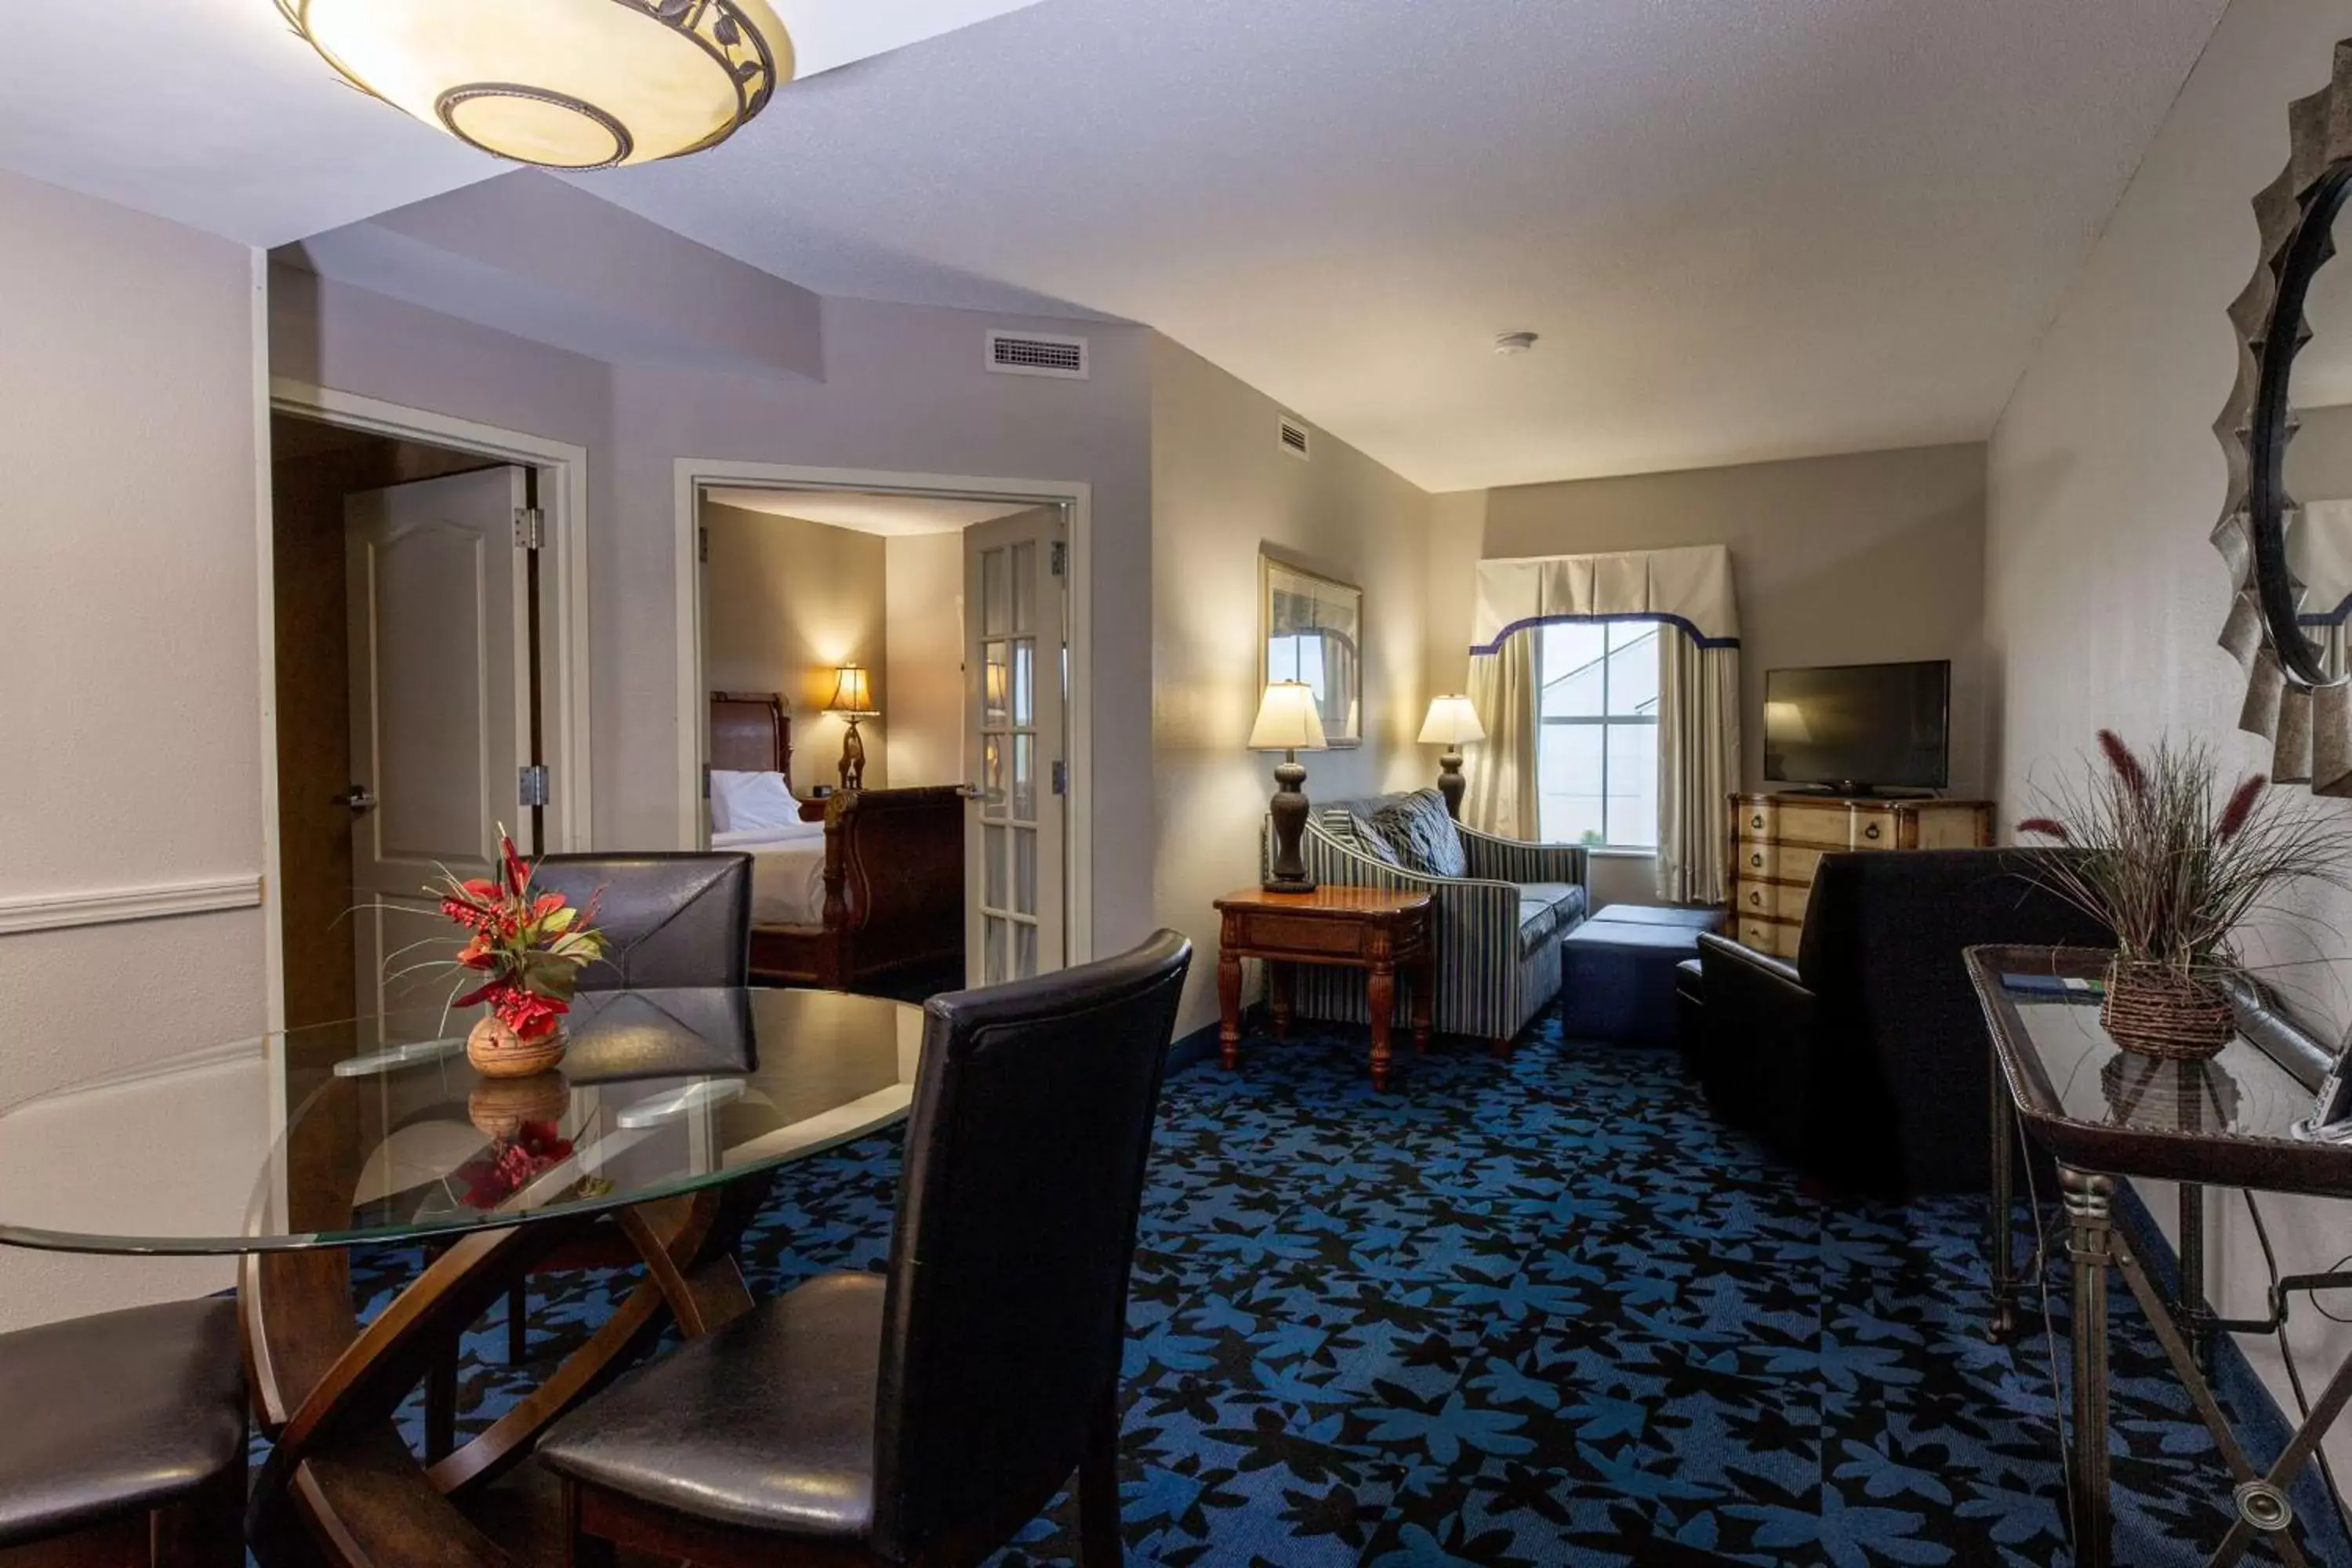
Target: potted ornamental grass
x=2174 y=866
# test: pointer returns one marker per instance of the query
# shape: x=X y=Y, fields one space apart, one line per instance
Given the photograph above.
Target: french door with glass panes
x=1016 y=693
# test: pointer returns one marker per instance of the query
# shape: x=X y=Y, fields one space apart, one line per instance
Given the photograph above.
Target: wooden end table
x=1370 y=928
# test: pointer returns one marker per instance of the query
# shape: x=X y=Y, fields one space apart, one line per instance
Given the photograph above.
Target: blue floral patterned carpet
x=1530 y=1312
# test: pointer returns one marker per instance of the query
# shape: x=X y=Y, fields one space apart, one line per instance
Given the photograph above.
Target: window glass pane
x=1024 y=870
x=997 y=959
x=1571 y=669
x=992 y=850
x=995 y=595
x=1024 y=587
x=1569 y=772
x=1024 y=954
x=1025 y=683
x=1025 y=778
x=995 y=690
x=992 y=777
x=1633 y=785
x=1633 y=669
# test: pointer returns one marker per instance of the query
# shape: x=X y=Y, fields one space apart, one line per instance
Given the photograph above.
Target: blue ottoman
x=1617 y=974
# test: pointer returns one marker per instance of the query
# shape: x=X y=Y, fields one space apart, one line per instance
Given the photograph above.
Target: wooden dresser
x=1776 y=840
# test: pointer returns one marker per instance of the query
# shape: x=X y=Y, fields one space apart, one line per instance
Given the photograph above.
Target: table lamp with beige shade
x=853 y=700
x=1452 y=721
x=1290 y=723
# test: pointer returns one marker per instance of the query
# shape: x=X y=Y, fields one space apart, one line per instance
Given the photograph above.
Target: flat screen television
x=1856 y=728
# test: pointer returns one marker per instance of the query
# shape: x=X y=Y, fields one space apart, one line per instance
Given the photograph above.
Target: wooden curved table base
x=339 y=1481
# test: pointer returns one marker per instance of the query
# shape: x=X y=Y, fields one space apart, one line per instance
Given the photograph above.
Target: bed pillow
x=743 y=803
x=1422 y=833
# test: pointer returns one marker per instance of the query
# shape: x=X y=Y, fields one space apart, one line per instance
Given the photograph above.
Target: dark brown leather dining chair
x=924 y=1415
x=125 y=1438
x=672 y=921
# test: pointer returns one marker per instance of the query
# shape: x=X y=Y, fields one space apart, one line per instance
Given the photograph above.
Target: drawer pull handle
x=1871 y=831
x=1755 y=897
x=1756 y=821
x=1756 y=859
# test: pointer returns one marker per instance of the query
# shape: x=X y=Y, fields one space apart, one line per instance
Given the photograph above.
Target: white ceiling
x=1744 y=231
x=892 y=517
x=213 y=113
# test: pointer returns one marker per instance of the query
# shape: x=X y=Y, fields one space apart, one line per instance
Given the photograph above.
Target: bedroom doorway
x=913 y=639
x=411 y=619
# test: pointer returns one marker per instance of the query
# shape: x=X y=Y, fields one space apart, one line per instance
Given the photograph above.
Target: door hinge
x=1061 y=778
x=702 y=544
x=532 y=787
x=1060 y=559
x=530 y=528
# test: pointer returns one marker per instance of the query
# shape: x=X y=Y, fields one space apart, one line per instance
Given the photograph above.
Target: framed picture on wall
x=1314 y=632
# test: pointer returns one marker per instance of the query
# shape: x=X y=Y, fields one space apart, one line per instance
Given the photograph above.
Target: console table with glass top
x=2105 y=1114
x=656 y=1139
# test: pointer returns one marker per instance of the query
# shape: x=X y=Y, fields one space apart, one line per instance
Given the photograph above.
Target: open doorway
x=409 y=671
x=886 y=690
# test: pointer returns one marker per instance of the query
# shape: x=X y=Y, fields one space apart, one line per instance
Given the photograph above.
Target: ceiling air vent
x=1294 y=438
x=1037 y=353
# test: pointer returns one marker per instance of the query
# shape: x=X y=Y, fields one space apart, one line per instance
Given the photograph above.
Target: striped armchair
x=1498 y=929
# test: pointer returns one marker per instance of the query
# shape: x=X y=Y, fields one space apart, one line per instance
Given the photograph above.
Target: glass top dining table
x=379 y=1130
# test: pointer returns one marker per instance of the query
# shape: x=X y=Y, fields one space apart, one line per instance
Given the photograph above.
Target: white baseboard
x=113 y=906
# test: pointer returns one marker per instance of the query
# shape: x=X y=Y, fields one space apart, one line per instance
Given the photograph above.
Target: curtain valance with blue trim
x=1689 y=586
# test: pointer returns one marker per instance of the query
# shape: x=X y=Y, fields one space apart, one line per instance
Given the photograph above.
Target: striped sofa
x=1498 y=929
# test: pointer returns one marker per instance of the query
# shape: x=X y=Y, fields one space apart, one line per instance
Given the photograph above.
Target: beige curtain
x=1698 y=765
x=1501 y=798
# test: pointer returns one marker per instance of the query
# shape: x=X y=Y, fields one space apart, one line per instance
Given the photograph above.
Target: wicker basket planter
x=2152 y=1010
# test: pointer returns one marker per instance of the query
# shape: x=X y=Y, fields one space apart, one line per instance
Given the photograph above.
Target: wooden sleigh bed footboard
x=894 y=869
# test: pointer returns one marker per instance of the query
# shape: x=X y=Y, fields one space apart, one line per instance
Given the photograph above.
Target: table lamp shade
x=1452 y=721
x=1287 y=719
x=852 y=692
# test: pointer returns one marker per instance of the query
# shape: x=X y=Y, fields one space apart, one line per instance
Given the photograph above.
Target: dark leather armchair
x=1863 y=1063
x=927 y=1413
x=672 y=920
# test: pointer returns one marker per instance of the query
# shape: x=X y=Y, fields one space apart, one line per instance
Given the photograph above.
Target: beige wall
x=1221 y=489
x=786 y=603
x=2102 y=597
x=130 y=636
x=1846 y=560
x=924 y=625
x=904 y=392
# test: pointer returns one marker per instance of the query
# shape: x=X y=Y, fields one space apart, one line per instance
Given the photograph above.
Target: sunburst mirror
x=2286 y=530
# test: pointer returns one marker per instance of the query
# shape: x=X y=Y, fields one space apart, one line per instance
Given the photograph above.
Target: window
x=1596 y=749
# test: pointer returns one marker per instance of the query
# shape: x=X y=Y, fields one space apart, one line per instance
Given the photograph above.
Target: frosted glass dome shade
x=564 y=84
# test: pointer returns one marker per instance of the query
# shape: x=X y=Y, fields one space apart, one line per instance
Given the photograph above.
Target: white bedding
x=787 y=871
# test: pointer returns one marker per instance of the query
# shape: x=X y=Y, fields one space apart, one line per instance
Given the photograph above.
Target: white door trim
x=693 y=473
x=563 y=568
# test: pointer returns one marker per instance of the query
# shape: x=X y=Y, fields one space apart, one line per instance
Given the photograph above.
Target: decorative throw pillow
x=741 y=802
x=1422 y=832
x=1360 y=833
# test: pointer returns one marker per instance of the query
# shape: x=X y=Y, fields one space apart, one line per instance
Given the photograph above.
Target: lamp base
x=1288 y=872
x=853 y=759
x=1450 y=784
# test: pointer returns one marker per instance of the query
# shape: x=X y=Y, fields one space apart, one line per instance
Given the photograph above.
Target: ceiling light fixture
x=1514 y=343
x=564 y=84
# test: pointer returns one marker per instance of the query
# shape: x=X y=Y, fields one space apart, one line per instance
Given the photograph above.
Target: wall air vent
x=1037 y=353
x=1294 y=438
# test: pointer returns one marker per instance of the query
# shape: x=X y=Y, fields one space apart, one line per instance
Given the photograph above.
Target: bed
x=857 y=889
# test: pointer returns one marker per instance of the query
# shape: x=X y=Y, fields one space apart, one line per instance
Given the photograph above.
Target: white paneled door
x=440 y=711
x=1017 y=684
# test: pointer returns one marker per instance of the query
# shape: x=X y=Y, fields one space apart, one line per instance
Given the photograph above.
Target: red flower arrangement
x=532 y=947
x=510 y=1165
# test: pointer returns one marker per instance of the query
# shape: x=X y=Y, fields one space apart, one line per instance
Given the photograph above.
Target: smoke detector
x=1514 y=343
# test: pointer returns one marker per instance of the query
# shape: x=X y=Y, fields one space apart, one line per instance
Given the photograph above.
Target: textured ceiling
x=212 y=113
x=1744 y=231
